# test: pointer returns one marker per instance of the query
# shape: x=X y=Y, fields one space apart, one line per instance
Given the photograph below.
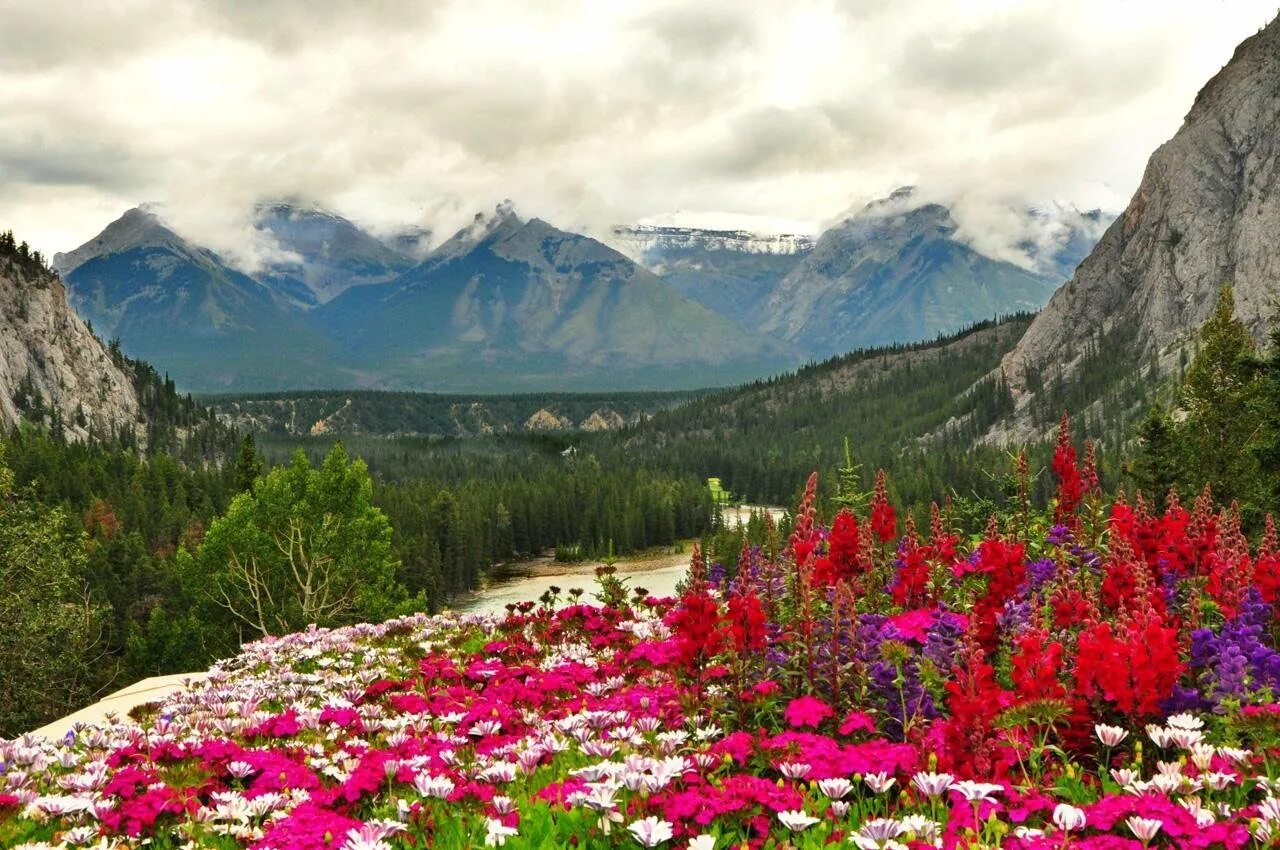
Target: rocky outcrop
x=545 y=420
x=1206 y=213
x=603 y=420
x=50 y=362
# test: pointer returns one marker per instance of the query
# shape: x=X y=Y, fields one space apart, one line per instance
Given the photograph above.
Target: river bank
x=657 y=571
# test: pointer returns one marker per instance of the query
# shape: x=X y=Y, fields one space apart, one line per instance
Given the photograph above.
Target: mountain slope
x=53 y=370
x=509 y=303
x=728 y=271
x=325 y=253
x=1206 y=213
x=894 y=272
x=179 y=306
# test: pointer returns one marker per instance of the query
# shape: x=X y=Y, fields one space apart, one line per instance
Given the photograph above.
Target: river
x=523 y=581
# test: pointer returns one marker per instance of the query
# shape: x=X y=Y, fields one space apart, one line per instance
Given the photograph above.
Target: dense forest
x=366 y=412
x=148 y=531
x=157 y=550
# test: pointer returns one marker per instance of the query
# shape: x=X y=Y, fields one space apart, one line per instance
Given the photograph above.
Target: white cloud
x=585 y=113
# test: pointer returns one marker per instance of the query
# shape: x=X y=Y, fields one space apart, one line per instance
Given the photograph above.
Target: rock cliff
x=1206 y=213
x=52 y=367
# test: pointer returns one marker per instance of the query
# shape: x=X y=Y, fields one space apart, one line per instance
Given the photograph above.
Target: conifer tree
x=1219 y=395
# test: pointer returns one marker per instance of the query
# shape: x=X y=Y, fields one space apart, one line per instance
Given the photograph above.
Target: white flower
x=433 y=786
x=1233 y=754
x=497 y=833
x=1123 y=776
x=651 y=831
x=796 y=820
x=972 y=791
x=932 y=784
x=1219 y=781
x=702 y=842
x=878 y=833
x=1185 y=721
x=1202 y=756
x=1068 y=818
x=839 y=808
x=794 y=770
x=836 y=788
x=1159 y=735
x=879 y=782
x=925 y=828
x=1110 y=736
x=1144 y=828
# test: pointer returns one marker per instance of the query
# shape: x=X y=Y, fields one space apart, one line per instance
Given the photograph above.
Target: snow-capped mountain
x=642 y=241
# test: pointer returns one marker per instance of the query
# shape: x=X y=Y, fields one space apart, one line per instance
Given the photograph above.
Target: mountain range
x=511 y=304
x=522 y=301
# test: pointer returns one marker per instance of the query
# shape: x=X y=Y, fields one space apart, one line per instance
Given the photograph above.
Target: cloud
x=420 y=114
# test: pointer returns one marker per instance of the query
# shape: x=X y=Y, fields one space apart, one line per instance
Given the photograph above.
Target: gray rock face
x=42 y=340
x=1206 y=213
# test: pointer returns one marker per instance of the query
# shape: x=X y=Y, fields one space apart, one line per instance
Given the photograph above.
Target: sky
x=781 y=116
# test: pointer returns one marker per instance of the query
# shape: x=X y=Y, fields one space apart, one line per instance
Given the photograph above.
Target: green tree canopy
x=305 y=546
x=52 y=630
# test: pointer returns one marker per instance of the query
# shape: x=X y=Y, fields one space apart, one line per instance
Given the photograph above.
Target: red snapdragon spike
x=804 y=537
x=884 y=521
x=844 y=560
x=974 y=698
x=1037 y=664
x=1006 y=568
x=697 y=626
x=911 y=588
x=747 y=623
x=1071 y=484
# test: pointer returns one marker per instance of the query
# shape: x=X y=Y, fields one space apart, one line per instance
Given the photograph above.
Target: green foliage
x=305 y=546
x=1158 y=461
x=1265 y=445
x=1219 y=396
x=1226 y=431
x=52 y=627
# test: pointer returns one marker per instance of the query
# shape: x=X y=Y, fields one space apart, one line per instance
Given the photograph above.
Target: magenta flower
x=806 y=711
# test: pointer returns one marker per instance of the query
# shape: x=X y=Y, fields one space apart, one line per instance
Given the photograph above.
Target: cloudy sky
x=778 y=114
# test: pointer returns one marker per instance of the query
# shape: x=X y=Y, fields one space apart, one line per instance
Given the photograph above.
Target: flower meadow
x=1102 y=676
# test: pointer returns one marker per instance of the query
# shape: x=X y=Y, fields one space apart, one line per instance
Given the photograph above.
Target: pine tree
x=1219 y=396
x=249 y=466
x=1266 y=445
x=1156 y=467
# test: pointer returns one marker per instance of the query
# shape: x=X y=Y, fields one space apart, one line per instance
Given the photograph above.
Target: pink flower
x=857 y=721
x=806 y=711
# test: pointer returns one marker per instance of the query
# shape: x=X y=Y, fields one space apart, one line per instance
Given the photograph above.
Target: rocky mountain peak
x=1206 y=213
x=139 y=227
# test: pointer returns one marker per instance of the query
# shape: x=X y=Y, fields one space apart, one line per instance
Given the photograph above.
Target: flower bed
x=1104 y=678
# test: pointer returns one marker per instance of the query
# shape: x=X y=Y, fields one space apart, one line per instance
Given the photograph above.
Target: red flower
x=747 y=622
x=884 y=522
x=1071 y=484
x=696 y=623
